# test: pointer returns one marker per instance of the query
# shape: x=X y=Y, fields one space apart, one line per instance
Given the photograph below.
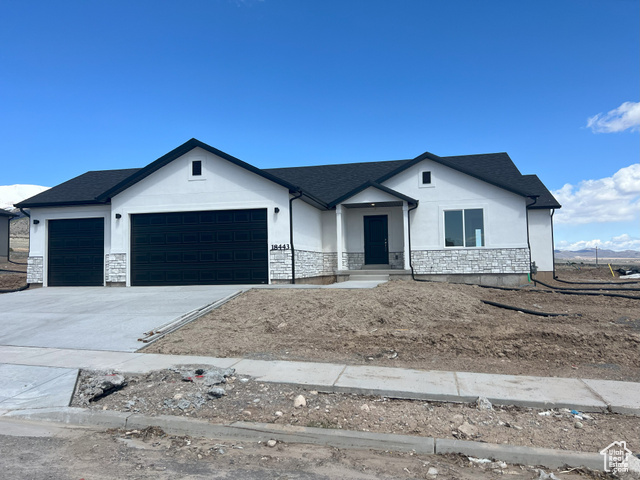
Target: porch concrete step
x=388 y=271
x=369 y=278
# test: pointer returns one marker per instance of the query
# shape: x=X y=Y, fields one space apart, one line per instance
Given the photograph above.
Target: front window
x=464 y=228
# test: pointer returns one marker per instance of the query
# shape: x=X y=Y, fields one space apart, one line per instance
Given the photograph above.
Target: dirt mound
x=424 y=325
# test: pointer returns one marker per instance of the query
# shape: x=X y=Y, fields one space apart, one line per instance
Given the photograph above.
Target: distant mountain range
x=11 y=194
x=591 y=253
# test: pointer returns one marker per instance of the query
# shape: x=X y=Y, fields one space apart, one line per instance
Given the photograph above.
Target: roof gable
x=180 y=151
x=495 y=168
x=370 y=184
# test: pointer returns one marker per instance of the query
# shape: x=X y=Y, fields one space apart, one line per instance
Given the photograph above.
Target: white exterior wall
x=329 y=231
x=222 y=186
x=541 y=239
x=307 y=224
x=504 y=212
x=38 y=234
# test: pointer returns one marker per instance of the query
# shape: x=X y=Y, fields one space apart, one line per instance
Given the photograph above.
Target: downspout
x=293 y=250
x=553 y=245
x=413 y=276
x=535 y=200
x=24 y=213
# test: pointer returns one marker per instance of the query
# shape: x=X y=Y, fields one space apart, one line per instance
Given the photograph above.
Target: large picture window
x=464 y=228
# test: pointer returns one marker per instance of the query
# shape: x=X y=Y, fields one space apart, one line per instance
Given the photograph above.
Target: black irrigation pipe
x=599 y=289
x=596 y=283
x=564 y=292
x=11 y=271
x=553 y=290
x=24 y=287
x=579 y=291
x=17 y=263
x=524 y=310
x=510 y=289
x=594 y=294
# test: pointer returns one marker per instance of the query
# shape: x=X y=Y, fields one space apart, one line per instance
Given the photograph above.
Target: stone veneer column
x=35 y=270
x=115 y=271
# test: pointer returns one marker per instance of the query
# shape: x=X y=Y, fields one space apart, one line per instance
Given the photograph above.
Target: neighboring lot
x=429 y=326
x=10 y=279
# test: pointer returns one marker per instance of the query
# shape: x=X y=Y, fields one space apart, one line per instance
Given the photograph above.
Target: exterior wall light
x=36 y=221
x=118 y=216
x=277 y=209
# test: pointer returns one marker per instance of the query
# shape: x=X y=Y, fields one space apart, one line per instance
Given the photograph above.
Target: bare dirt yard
x=13 y=274
x=432 y=326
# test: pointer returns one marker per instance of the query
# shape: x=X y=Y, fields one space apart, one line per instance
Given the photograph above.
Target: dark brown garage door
x=199 y=248
x=76 y=252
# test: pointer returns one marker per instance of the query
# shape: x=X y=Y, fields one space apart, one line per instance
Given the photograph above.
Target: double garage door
x=199 y=248
x=178 y=248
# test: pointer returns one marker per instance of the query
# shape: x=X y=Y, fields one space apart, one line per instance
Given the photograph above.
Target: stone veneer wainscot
x=471 y=261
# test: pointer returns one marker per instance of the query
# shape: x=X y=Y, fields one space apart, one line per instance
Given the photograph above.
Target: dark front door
x=376 y=239
x=199 y=248
x=76 y=252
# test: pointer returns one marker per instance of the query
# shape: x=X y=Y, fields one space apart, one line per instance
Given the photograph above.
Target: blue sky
x=89 y=85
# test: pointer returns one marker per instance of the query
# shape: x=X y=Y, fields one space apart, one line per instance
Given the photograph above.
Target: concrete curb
x=246 y=431
x=547 y=457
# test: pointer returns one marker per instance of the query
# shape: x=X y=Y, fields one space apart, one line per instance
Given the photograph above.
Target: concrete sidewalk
x=540 y=392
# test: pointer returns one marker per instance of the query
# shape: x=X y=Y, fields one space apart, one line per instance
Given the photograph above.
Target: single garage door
x=199 y=248
x=76 y=252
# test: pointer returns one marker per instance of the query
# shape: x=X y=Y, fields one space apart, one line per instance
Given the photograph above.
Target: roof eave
x=59 y=204
x=554 y=206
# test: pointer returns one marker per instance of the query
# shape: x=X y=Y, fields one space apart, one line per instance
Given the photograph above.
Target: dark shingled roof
x=5 y=213
x=329 y=182
x=81 y=190
x=545 y=198
x=323 y=184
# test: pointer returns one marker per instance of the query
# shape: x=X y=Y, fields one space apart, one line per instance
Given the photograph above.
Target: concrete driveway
x=97 y=318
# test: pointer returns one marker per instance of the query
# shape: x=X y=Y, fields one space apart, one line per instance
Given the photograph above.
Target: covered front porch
x=372 y=233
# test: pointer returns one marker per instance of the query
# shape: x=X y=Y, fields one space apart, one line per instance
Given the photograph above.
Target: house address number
x=280 y=247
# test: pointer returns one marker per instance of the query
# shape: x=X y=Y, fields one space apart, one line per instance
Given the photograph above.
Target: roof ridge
x=341 y=164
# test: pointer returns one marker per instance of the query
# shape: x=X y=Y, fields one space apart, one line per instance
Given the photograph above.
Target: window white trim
x=464 y=236
x=202 y=176
x=425 y=185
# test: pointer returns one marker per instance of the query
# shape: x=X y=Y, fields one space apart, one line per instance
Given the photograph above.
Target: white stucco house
x=200 y=216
